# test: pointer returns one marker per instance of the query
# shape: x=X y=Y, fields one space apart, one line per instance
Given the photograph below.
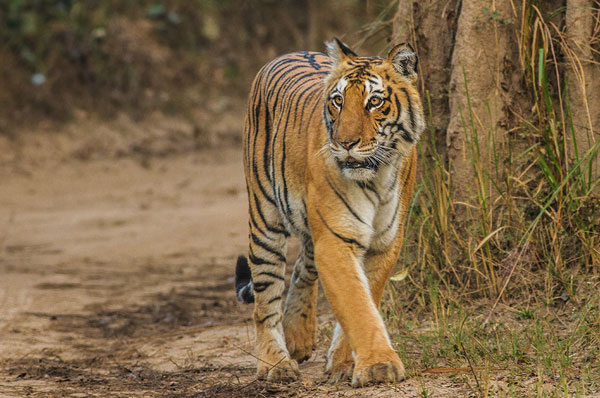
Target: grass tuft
x=506 y=284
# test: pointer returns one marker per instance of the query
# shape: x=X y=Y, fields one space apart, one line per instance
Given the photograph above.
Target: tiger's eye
x=338 y=100
x=375 y=101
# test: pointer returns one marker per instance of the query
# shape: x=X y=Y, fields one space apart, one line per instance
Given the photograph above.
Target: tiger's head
x=372 y=110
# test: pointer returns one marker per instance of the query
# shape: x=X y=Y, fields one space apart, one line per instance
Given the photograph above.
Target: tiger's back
x=283 y=105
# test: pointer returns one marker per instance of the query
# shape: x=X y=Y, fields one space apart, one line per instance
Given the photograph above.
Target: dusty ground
x=116 y=281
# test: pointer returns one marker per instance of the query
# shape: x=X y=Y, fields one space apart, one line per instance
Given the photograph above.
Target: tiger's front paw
x=340 y=362
x=381 y=372
x=283 y=372
x=340 y=371
x=300 y=335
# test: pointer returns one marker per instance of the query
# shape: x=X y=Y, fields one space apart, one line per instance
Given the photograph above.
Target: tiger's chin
x=361 y=175
x=358 y=171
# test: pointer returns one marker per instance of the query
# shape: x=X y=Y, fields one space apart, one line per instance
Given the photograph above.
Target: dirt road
x=116 y=281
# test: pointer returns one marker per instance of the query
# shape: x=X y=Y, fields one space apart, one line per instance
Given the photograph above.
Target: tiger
x=329 y=153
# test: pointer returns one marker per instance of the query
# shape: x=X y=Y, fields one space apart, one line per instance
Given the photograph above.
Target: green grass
x=549 y=352
x=502 y=286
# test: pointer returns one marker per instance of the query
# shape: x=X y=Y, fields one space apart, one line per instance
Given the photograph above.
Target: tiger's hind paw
x=300 y=336
x=283 y=372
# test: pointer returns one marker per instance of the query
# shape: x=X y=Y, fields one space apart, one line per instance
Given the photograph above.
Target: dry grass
x=505 y=284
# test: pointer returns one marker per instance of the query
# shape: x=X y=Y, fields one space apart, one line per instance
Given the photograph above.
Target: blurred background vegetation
x=193 y=58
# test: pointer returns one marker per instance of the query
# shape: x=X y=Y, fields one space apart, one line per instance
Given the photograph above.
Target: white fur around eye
x=341 y=86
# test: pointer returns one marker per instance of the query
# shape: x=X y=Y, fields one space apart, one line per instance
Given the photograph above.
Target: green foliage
x=137 y=56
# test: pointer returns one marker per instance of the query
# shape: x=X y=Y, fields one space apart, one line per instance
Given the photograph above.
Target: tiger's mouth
x=351 y=163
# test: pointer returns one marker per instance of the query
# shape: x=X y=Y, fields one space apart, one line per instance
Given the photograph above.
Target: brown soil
x=117 y=281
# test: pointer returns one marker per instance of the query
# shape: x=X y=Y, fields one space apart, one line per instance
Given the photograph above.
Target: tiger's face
x=372 y=111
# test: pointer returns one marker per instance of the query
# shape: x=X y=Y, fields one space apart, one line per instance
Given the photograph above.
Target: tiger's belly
x=292 y=208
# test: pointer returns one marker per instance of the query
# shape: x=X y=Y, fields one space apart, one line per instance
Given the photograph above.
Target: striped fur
x=329 y=156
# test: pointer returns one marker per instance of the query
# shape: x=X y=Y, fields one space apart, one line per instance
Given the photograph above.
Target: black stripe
x=271 y=274
x=276 y=89
x=309 y=281
x=260 y=186
x=254 y=225
x=398 y=105
x=391 y=224
x=341 y=197
x=254 y=165
x=266 y=247
x=311 y=269
x=388 y=192
x=268 y=143
x=405 y=134
x=284 y=115
x=369 y=185
x=407 y=137
x=274 y=299
x=259 y=260
x=410 y=108
x=304 y=217
x=298 y=78
x=341 y=237
x=270 y=228
x=286 y=197
x=250 y=128
x=309 y=97
x=267 y=317
x=362 y=186
x=300 y=92
x=260 y=287
x=278 y=68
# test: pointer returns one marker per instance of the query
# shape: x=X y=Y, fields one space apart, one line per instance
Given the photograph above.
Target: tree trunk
x=482 y=47
x=429 y=25
x=582 y=21
x=478 y=61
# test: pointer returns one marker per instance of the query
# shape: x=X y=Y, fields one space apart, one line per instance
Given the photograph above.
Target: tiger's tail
x=244 y=289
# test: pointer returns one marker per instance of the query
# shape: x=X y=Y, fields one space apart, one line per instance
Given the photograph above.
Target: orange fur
x=330 y=157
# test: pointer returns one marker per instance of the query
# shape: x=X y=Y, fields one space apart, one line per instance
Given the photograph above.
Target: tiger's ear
x=404 y=59
x=338 y=51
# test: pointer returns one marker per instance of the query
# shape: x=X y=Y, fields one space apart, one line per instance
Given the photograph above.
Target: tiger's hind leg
x=300 y=314
x=268 y=243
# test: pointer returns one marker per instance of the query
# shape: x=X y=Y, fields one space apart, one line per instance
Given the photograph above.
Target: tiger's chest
x=369 y=213
x=378 y=207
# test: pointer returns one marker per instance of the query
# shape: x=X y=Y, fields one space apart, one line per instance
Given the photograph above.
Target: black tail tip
x=243 y=281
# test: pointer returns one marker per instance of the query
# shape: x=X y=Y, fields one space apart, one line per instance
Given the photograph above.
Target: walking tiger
x=330 y=157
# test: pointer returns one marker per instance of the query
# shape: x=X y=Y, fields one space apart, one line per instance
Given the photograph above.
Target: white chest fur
x=372 y=209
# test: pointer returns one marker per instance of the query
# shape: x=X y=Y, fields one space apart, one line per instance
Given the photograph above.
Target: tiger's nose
x=349 y=144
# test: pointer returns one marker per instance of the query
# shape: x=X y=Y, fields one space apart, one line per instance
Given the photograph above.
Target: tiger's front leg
x=339 y=257
x=378 y=267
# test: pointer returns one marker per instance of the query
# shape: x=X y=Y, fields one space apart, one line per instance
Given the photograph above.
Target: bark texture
x=582 y=24
x=430 y=26
x=482 y=50
x=490 y=48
